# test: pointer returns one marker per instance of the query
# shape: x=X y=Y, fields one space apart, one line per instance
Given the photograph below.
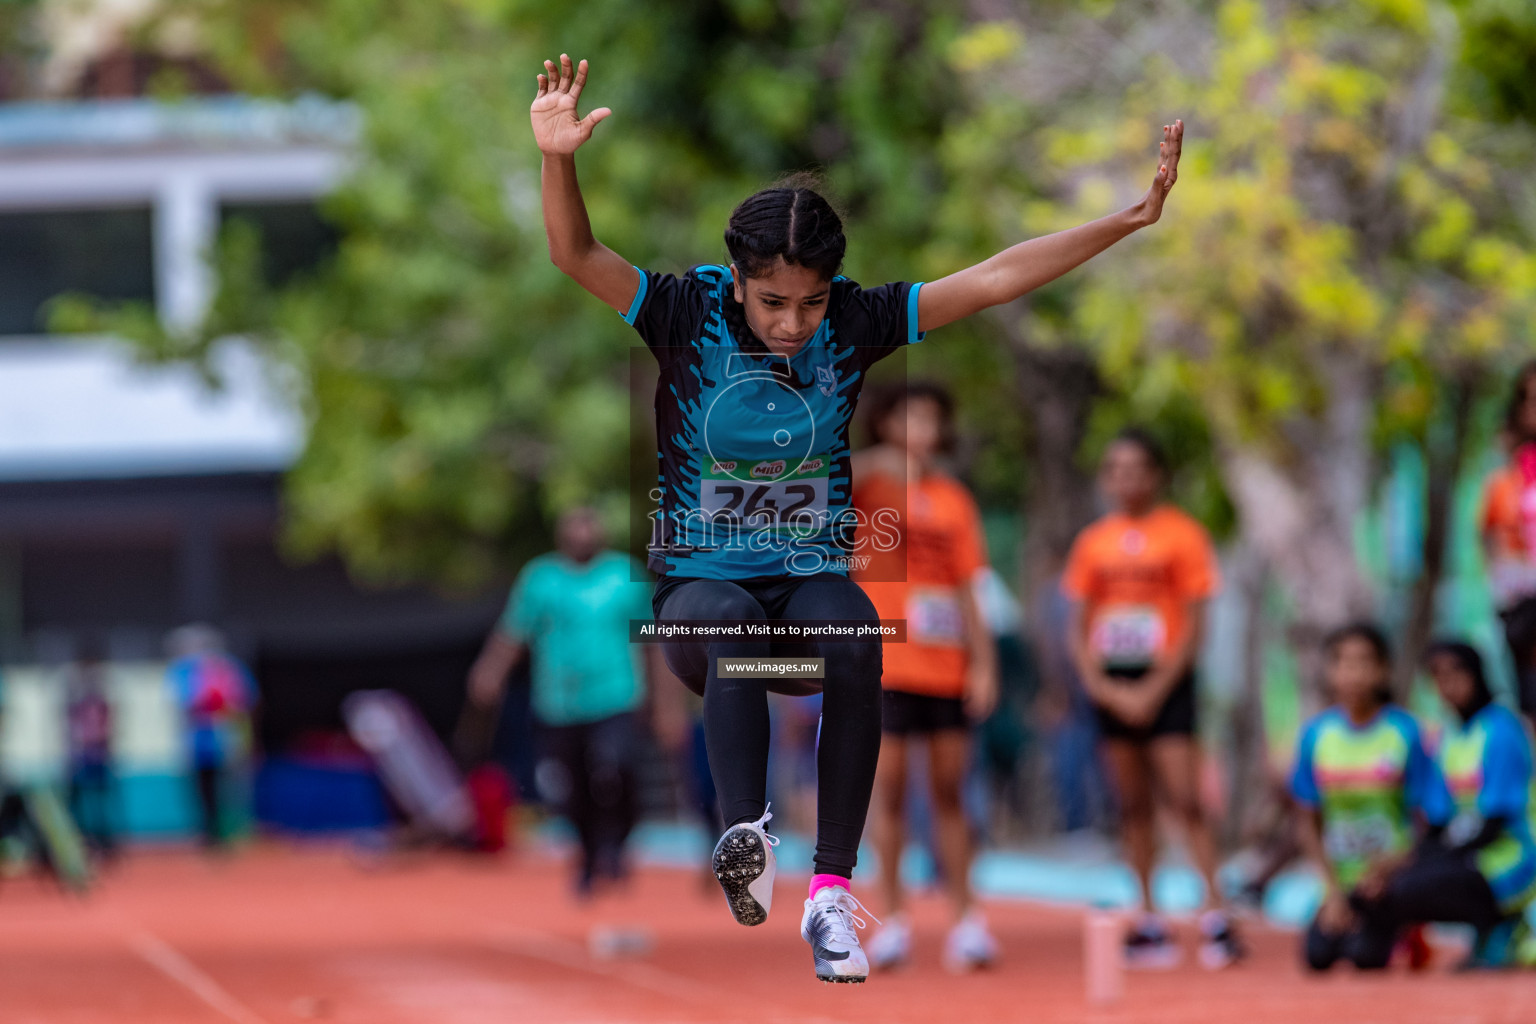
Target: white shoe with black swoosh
x=831 y=917
x=744 y=864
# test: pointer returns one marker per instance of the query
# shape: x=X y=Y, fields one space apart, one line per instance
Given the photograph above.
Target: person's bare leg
x=1176 y=768
x=949 y=756
x=890 y=805
x=1131 y=775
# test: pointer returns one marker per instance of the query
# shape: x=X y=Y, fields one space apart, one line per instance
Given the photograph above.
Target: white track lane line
x=162 y=957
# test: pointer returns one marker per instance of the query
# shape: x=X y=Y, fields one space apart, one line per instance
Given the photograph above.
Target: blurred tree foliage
x=459 y=388
x=1352 y=203
x=20 y=46
x=1349 y=209
x=1498 y=66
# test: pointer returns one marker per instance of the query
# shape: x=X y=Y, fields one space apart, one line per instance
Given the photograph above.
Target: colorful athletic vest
x=1367 y=780
x=1487 y=765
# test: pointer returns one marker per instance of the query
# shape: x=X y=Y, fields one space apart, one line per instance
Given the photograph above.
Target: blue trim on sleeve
x=634 y=307
x=1506 y=765
x=913 y=334
x=1423 y=785
x=1303 y=783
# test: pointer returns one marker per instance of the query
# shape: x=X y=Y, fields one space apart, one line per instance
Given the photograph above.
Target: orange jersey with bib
x=1136 y=578
x=924 y=546
x=1509 y=508
x=1509 y=522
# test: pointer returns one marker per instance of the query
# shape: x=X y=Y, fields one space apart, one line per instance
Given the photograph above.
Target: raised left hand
x=1150 y=207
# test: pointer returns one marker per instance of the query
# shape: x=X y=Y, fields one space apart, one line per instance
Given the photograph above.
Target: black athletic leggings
x=736 y=709
x=595 y=787
x=1437 y=885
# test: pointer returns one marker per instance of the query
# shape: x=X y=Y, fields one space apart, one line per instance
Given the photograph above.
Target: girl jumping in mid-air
x=762 y=361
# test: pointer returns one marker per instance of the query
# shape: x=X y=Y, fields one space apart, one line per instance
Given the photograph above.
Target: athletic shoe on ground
x=1148 y=947
x=744 y=864
x=828 y=925
x=892 y=944
x=1219 y=944
x=969 y=945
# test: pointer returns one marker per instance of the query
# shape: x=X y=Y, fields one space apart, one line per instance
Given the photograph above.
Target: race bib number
x=933 y=617
x=1360 y=837
x=1128 y=635
x=767 y=494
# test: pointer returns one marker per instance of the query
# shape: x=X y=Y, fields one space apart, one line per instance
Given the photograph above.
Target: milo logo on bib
x=770 y=470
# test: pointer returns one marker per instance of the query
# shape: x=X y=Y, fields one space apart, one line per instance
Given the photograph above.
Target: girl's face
x=1128 y=478
x=1456 y=685
x=916 y=425
x=784 y=306
x=1355 y=674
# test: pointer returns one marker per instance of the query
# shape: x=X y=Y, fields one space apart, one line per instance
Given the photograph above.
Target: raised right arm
x=559 y=133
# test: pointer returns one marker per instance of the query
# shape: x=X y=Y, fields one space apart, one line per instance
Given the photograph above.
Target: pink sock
x=820 y=882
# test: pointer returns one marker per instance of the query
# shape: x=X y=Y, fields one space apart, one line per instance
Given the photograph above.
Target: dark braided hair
x=790 y=220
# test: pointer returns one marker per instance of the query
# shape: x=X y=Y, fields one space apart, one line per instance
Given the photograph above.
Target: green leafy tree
x=459 y=388
x=1347 y=214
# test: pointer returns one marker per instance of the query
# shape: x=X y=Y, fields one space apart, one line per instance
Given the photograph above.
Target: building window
x=294 y=238
x=107 y=254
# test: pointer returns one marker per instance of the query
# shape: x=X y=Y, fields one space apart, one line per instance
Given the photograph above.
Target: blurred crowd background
x=289 y=387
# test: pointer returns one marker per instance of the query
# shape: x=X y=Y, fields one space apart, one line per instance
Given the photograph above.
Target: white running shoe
x=891 y=945
x=744 y=864
x=1220 y=945
x=969 y=945
x=828 y=925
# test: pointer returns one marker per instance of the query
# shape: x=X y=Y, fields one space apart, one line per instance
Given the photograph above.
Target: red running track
x=277 y=935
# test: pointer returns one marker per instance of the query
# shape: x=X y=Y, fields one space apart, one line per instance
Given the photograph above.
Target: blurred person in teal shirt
x=570 y=611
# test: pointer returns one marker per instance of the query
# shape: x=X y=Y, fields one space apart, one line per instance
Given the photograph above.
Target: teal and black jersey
x=753 y=447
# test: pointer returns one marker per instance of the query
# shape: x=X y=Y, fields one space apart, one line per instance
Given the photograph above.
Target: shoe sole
x=740 y=859
x=838 y=979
